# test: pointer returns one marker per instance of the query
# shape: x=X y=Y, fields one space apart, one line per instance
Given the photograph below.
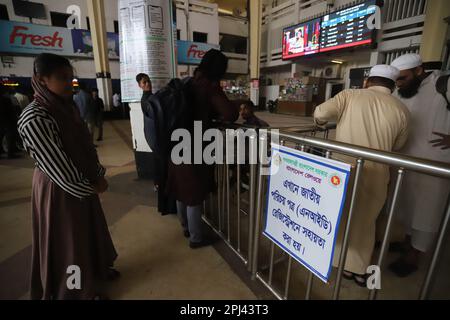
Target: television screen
x=302 y=39
x=29 y=9
x=347 y=28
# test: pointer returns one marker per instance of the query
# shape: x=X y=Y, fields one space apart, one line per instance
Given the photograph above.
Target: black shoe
x=397 y=247
x=201 y=244
x=394 y=247
x=100 y=139
x=204 y=243
x=360 y=280
x=347 y=275
x=113 y=274
x=186 y=234
x=402 y=269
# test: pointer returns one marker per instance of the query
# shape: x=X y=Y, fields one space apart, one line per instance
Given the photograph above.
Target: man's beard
x=411 y=90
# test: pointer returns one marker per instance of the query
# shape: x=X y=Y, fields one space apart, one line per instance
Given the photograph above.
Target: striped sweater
x=41 y=139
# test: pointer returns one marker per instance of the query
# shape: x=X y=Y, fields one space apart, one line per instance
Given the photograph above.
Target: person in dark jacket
x=83 y=100
x=8 y=124
x=192 y=183
x=145 y=84
x=166 y=203
x=99 y=107
x=247 y=113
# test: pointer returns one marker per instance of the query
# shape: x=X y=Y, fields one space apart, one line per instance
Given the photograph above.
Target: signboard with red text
x=192 y=52
x=33 y=39
x=27 y=38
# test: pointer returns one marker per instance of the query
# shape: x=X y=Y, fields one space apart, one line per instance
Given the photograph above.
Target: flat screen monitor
x=302 y=39
x=29 y=9
x=347 y=28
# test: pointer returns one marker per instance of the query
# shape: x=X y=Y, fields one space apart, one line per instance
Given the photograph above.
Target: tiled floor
x=154 y=257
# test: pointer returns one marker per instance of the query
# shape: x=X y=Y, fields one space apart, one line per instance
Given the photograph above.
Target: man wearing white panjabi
x=370 y=118
x=423 y=198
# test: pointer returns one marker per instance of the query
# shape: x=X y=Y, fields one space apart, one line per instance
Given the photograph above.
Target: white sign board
x=305 y=202
x=147 y=45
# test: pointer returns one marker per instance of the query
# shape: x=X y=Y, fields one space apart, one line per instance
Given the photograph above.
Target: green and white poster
x=147 y=45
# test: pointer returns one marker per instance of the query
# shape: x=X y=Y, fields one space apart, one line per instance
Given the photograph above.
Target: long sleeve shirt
x=371 y=118
x=41 y=139
x=429 y=114
x=85 y=104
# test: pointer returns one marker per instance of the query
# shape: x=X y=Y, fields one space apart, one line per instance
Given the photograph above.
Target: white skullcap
x=407 y=61
x=385 y=71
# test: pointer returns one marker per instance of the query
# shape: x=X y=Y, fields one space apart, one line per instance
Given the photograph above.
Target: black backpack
x=441 y=87
x=164 y=112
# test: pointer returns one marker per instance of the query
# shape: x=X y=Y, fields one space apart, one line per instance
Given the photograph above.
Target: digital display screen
x=302 y=39
x=347 y=28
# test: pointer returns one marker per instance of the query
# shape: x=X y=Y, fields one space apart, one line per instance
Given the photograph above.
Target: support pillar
x=255 y=48
x=434 y=35
x=99 y=36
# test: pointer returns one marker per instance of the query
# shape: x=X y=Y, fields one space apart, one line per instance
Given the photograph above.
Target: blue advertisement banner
x=82 y=44
x=33 y=39
x=26 y=38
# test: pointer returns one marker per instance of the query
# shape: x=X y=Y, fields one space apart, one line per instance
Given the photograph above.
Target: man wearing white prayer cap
x=423 y=198
x=372 y=118
x=385 y=71
x=407 y=62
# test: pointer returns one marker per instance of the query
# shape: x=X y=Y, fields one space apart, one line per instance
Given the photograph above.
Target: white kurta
x=423 y=198
x=370 y=118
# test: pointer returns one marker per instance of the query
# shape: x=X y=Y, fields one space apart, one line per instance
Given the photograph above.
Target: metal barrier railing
x=220 y=205
x=223 y=217
x=403 y=163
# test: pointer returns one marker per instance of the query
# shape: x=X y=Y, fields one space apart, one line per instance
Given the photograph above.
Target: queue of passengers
x=398 y=110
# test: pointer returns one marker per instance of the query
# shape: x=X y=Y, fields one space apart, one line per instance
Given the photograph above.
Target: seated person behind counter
x=250 y=119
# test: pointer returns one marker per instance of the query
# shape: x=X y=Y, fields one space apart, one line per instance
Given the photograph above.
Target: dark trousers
x=100 y=127
x=166 y=203
x=10 y=132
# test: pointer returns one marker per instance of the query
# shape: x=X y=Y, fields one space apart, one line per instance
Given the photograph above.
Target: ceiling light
x=224 y=11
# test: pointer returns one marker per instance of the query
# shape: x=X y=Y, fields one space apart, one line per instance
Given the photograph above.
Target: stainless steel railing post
x=344 y=247
x=251 y=215
x=258 y=214
x=424 y=292
x=384 y=246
